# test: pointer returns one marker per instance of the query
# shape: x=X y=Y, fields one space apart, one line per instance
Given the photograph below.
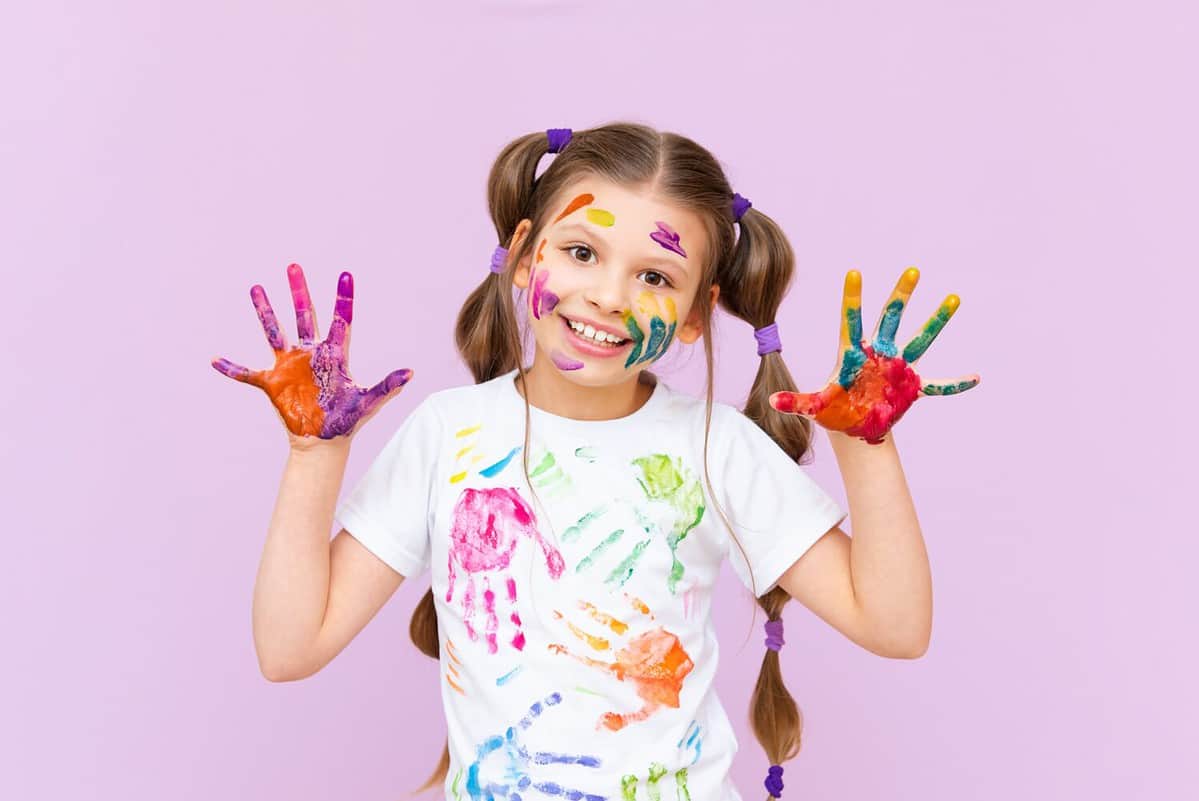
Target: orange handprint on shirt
x=654 y=661
x=873 y=385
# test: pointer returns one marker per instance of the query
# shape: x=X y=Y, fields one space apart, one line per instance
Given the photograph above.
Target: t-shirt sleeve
x=778 y=511
x=389 y=510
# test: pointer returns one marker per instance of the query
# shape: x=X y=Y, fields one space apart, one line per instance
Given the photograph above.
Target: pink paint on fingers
x=343 y=311
x=492 y=621
x=305 y=316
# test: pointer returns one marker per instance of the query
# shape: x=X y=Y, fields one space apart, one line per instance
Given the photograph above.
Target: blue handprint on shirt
x=509 y=761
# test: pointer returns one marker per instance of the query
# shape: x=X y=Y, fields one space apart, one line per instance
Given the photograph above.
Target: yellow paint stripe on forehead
x=601 y=217
x=579 y=202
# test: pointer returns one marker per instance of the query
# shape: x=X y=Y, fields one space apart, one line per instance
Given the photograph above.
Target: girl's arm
x=313 y=596
x=874 y=587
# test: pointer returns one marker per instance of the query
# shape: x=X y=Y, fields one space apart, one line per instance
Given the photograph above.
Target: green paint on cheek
x=601 y=217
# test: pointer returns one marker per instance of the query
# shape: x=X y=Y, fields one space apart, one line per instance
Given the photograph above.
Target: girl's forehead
x=635 y=205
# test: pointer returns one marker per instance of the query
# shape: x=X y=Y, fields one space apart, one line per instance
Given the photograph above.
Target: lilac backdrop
x=1036 y=158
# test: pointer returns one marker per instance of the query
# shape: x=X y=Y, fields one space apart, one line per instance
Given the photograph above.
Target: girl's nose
x=606 y=293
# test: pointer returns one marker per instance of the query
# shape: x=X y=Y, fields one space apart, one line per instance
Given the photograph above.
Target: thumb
x=385 y=390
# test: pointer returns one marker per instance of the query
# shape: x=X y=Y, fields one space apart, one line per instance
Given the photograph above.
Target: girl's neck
x=550 y=391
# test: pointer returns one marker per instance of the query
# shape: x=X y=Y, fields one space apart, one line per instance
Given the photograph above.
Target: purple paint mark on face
x=541 y=300
x=564 y=362
x=668 y=238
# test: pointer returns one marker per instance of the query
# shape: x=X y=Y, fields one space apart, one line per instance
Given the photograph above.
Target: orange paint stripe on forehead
x=576 y=204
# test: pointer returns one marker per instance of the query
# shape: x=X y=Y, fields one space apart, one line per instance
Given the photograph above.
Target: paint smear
x=492 y=469
x=666 y=479
x=564 y=362
x=576 y=204
x=668 y=238
x=601 y=217
x=507 y=677
x=541 y=300
x=587 y=454
x=541 y=247
x=663 y=319
x=486 y=527
x=653 y=661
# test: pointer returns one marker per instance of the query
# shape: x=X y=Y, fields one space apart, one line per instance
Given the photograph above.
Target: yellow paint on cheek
x=601 y=217
x=671 y=314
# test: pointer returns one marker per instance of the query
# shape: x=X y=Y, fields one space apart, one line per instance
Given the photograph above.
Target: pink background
x=1038 y=159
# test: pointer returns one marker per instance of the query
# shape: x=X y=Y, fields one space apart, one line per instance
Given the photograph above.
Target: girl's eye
x=662 y=281
x=588 y=251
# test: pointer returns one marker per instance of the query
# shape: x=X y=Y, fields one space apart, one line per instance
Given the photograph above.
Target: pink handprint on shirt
x=487 y=526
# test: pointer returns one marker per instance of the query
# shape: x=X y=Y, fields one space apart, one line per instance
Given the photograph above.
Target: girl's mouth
x=590 y=346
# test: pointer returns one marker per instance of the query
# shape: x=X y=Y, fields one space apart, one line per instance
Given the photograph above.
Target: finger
x=237 y=372
x=805 y=403
x=383 y=390
x=343 y=313
x=266 y=316
x=919 y=344
x=305 y=315
x=888 y=322
x=850 y=356
x=950 y=386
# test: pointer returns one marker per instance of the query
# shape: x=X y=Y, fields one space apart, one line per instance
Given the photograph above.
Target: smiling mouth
x=582 y=337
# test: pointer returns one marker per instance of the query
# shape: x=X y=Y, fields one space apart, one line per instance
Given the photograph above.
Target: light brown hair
x=753 y=271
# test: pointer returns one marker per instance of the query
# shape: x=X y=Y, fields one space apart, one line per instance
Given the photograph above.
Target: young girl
x=573 y=513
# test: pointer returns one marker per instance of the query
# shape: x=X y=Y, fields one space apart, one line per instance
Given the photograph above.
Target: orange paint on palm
x=576 y=204
x=294 y=393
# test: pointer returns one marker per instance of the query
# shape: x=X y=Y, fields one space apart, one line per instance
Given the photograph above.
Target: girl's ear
x=520 y=276
x=690 y=331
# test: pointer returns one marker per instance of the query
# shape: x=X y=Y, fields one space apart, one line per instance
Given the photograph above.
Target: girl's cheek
x=542 y=300
x=652 y=330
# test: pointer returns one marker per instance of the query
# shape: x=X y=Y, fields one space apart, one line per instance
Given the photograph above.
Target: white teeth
x=590 y=333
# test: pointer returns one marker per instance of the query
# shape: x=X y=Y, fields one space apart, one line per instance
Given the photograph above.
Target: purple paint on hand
x=668 y=238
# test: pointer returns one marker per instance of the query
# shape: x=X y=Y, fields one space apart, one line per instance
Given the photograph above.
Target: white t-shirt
x=577 y=646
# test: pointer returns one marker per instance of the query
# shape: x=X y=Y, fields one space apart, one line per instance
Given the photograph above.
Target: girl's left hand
x=871 y=386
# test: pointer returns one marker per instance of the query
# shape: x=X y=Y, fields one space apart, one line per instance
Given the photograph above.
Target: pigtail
x=488 y=338
x=752 y=286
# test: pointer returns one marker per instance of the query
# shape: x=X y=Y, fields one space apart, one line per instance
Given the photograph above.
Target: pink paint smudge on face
x=668 y=238
x=487 y=526
x=564 y=362
x=541 y=300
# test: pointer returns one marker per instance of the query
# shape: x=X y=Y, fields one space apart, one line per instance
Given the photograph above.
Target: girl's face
x=616 y=261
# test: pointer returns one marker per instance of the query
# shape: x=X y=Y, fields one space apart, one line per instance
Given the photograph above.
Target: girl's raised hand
x=310 y=384
x=873 y=385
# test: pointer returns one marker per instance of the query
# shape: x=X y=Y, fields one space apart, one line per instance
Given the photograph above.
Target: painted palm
x=873 y=385
x=501 y=770
x=310 y=384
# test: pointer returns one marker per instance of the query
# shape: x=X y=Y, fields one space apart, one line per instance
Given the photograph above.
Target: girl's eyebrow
x=677 y=263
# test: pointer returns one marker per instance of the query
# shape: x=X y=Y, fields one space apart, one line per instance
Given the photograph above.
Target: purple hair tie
x=740 y=206
x=774 y=781
x=498 y=257
x=768 y=339
x=558 y=138
x=774 y=634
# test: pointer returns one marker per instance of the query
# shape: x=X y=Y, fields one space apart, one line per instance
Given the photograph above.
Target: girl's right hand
x=310 y=384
